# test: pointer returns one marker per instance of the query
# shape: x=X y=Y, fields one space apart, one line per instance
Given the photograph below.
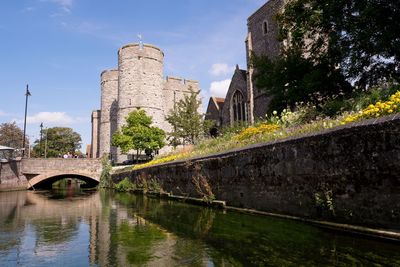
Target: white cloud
x=219 y=88
x=2 y=113
x=219 y=69
x=52 y=119
x=65 y=5
x=28 y=9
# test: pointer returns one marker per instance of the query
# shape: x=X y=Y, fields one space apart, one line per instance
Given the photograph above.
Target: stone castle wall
x=94 y=147
x=175 y=90
x=109 y=110
x=138 y=84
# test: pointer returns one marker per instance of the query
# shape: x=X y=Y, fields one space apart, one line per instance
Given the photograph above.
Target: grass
x=277 y=128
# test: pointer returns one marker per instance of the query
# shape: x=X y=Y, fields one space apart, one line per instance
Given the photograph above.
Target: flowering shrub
x=302 y=113
x=279 y=126
x=253 y=131
x=162 y=160
x=378 y=109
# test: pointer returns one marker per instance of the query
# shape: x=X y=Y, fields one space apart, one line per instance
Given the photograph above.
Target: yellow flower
x=380 y=108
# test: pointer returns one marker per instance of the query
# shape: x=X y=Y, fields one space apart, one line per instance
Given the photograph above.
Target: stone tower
x=140 y=70
x=109 y=110
x=94 y=147
x=137 y=84
x=262 y=39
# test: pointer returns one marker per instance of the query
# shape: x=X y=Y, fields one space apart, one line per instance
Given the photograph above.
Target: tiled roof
x=219 y=99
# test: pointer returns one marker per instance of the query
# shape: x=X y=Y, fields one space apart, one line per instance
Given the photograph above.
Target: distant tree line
x=55 y=142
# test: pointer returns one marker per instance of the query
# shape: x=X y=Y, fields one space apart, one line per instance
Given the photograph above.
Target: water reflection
x=75 y=228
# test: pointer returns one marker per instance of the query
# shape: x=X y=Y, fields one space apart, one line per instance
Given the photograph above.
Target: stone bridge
x=44 y=172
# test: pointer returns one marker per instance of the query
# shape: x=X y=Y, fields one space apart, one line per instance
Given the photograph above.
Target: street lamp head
x=27 y=91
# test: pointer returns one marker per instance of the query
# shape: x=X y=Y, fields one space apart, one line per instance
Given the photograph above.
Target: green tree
x=328 y=45
x=57 y=141
x=11 y=135
x=361 y=38
x=188 y=124
x=138 y=134
x=293 y=78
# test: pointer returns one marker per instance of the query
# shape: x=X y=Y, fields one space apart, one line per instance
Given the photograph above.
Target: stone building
x=138 y=83
x=94 y=146
x=214 y=107
x=244 y=101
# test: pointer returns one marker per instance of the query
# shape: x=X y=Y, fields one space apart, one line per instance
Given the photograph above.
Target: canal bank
x=348 y=175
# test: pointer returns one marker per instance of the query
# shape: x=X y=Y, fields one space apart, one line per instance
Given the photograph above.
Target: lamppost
x=41 y=135
x=27 y=94
x=45 y=144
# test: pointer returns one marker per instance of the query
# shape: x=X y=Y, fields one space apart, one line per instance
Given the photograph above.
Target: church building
x=244 y=101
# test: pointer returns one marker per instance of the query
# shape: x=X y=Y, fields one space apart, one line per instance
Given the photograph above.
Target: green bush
x=356 y=101
x=334 y=107
x=125 y=185
x=105 y=177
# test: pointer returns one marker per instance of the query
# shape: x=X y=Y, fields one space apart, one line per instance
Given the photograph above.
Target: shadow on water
x=241 y=239
x=81 y=228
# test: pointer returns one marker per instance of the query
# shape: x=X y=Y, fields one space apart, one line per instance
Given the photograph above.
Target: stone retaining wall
x=11 y=177
x=349 y=174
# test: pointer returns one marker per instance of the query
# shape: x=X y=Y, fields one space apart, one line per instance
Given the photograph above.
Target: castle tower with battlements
x=138 y=83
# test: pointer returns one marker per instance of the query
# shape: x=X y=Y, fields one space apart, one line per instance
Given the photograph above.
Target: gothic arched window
x=238 y=107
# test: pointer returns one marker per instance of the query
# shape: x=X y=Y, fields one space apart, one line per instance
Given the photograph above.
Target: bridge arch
x=46 y=171
x=50 y=177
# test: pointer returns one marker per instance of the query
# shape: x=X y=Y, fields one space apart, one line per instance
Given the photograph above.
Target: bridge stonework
x=42 y=170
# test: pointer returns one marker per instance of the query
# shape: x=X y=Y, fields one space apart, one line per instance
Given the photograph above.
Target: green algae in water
x=113 y=229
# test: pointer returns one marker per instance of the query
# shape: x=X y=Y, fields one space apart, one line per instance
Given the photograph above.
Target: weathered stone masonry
x=11 y=177
x=349 y=174
x=138 y=83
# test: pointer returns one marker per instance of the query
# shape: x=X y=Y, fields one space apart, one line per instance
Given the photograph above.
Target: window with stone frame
x=238 y=105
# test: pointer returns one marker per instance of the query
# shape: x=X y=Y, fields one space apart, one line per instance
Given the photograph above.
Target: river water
x=74 y=228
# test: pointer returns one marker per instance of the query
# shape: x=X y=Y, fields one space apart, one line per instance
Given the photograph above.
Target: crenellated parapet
x=175 y=89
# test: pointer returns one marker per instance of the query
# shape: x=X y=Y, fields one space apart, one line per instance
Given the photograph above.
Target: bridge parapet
x=37 y=166
x=39 y=170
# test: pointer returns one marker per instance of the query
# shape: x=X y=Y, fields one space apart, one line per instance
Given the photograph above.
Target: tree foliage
x=138 y=134
x=359 y=37
x=293 y=78
x=11 y=135
x=329 y=45
x=188 y=124
x=57 y=141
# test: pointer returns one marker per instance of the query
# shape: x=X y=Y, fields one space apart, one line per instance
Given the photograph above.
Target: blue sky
x=60 y=47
